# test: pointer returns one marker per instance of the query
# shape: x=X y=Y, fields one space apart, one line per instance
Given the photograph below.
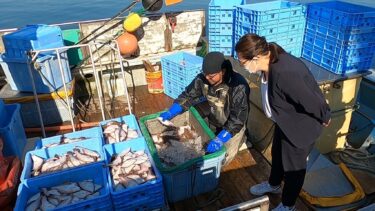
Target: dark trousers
x=293 y=179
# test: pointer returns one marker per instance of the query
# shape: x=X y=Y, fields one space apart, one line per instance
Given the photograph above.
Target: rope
x=356 y=159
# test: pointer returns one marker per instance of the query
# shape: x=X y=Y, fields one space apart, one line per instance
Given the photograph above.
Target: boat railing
x=112 y=45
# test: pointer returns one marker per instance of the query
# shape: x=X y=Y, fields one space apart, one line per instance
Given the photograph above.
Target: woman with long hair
x=292 y=99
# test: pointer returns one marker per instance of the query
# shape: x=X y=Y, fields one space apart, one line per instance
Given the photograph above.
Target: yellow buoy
x=132 y=22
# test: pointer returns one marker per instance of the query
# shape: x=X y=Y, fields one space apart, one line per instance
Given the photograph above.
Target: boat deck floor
x=247 y=169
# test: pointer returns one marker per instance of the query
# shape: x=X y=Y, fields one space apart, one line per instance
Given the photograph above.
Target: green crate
x=71 y=37
x=195 y=176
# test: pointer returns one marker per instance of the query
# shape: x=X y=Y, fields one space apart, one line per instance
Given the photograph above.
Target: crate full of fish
x=83 y=188
x=179 y=154
x=68 y=138
x=41 y=162
x=133 y=178
x=120 y=129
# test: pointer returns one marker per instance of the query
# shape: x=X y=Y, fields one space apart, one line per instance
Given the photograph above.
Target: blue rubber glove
x=218 y=142
x=173 y=111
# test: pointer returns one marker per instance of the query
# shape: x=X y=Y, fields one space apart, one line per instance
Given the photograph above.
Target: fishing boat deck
x=247 y=169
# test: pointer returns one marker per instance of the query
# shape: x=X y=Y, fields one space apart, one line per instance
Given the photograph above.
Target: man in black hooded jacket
x=221 y=95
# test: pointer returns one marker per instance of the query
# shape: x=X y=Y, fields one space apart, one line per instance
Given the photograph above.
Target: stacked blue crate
x=130 y=120
x=46 y=69
x=94 y=144
x=11 y=130
x=282 y=22
x=92 y=133
x=178 y=71
x=95 y=172
x=146 y=196
x=221 y=16
x=340 y=36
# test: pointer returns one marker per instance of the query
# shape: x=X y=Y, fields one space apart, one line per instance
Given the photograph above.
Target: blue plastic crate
x=172 y=89
x=2 y=108
x=287 y=36
x=221 y=41
x=32 y=37
x=270 y=13
x=141 y=195
x=341 y=62
x=336 y=55
x=95 y=172
x=130 y=120
x=152 y=205
x=365 y=34
x=12 y=131
x=46 y=73
x=342 y=14
x=225 y=50
x=221 y=16
x=221 y=29
x=202 y=177
x=94 y=144
x=95 y=132
x=181 y=64
x=222 y=11
x=182 y=68
x=268 y=29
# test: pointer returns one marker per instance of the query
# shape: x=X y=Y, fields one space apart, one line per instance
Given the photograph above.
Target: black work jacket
x=237 y=98
x=298 y=105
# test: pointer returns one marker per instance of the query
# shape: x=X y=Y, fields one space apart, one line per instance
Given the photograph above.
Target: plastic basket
x=46 y=73
x=173 y=88
x=91 y=133
x=193 y=177
x=270 y=13
x=32 y=37
x=337 y=56
x=95 y=172
x=180 y=67
x=147 y=194
x=342 y=14
x=221 y=16
x=340 y=36
x=365 y=34
x=94 y=144
x=130 y=120
x=12 y=131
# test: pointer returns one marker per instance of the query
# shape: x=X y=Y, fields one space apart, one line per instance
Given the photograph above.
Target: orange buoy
x=128 y=43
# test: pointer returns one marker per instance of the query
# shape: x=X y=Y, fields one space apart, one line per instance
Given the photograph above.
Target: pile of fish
x=77 y=157
x=130 y=169
x=115 y=132
x=65 y=140
x=176 y=145
x=65 y=194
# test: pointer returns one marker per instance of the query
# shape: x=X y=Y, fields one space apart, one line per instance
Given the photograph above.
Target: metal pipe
x=126 y=94
x=61 y=48
x=65 y=90
x=262 y=203
x=129 y=7
x=36 y=97
x=97 y=81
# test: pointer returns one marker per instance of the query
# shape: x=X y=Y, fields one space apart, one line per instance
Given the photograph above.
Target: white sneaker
x=263 y=188
x=281 y=207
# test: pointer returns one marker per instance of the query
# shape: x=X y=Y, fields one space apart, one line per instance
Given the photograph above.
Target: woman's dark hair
x=251 y=45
